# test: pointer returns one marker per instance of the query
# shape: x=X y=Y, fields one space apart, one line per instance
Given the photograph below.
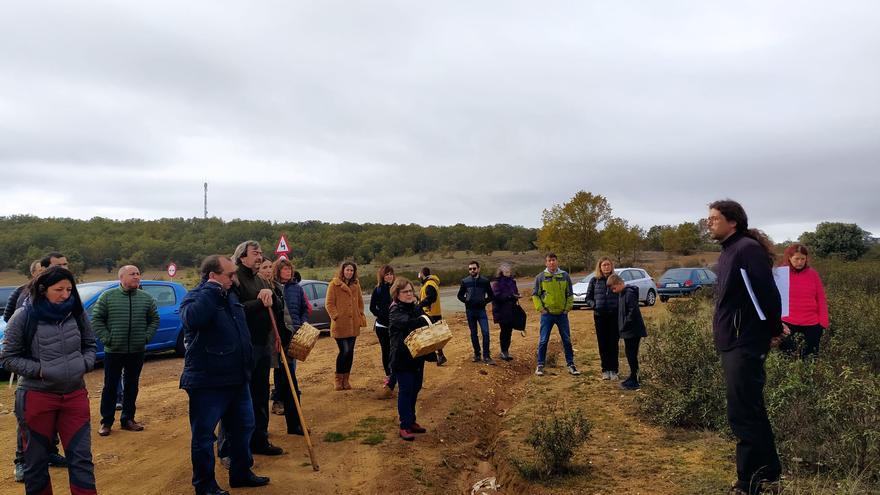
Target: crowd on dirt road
x=246 y=310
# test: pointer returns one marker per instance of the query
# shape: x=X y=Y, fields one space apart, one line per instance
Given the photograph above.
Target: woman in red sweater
x=808 y=310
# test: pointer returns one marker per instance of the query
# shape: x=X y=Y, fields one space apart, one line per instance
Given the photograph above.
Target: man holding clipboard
x=747 y=321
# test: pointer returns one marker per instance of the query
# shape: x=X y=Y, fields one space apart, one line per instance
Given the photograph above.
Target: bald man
x=125 y=318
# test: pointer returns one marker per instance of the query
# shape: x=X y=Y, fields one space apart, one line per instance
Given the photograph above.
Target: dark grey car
x=316 y=292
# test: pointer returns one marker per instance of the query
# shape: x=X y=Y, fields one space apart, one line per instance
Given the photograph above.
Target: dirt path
x=476 y=416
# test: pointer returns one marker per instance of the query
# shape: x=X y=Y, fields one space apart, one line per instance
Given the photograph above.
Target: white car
x=630 y=276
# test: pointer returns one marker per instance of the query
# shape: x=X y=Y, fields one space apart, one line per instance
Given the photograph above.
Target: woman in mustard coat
x=345 y=305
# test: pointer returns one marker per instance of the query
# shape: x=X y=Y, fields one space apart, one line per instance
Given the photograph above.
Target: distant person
x=256 y=295
x=380 y=304
x=345 y=305
x=743 y=337
x=631 y=327
x=476 y=292
x=604 y=304
x=506 y=298
x=216 y=371
x=807 y=306
x=49 y=343
x=405 y=316
x=18 y=296
x=553 y=298
x=282 y=276
x=429 y=301
x=125 y=318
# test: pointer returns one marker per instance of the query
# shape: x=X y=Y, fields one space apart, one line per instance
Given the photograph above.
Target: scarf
x=53 y=313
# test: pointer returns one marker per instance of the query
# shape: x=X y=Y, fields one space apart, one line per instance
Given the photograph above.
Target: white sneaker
x=606 y=375
x=539 y=370
x=612 y=375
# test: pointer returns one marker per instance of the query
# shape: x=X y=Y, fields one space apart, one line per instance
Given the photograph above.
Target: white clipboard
x=749 y=288
x=781 y=277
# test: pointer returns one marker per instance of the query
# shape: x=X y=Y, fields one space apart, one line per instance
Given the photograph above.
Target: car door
x=640 y=279
x=169 y=316
x=317 y=293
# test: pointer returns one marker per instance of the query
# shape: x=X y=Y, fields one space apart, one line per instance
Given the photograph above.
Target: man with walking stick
x=216 y=376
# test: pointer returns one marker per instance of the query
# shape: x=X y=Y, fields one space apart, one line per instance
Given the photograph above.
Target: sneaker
x=630 y=384
x=132 y=425
x=119 y=406
x=441 y=358
x=507 y=357
x=489 y=361
x=572 y=370
x=477 y=358
x=406 y=435
x=19 y=473
x=57 y=460
x=606 y=375
x=613 y=375
x=539 y=370
x=416 y=428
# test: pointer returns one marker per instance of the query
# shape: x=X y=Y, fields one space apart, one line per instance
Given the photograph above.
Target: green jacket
x=125 y=320
x=553 y=292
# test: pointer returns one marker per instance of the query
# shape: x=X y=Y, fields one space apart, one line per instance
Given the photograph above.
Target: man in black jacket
x=476 y=292
x=747 y=319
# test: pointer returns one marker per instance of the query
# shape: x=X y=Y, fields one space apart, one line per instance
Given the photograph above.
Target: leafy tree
x=654 y=237
x=619 y=240
x=572 y=229
x=684 y=239
x=834 y=239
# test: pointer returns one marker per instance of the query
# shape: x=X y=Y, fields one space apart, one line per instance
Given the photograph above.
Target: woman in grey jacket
x=50 y=344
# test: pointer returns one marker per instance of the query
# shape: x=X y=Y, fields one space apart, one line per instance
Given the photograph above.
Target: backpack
x=30 y=329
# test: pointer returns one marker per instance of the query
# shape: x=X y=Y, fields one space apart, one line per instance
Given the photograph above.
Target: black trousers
x=114 y=365
x=608 y=338
x=282 y=388
x=384 y=336
x=756 y=456
x=260 y=396
x=631 y=348
x=504 y=337
x=812 y=336
x=345 y=358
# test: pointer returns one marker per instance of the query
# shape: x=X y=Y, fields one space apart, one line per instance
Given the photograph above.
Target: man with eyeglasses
x=216 y=376
x=476 y=292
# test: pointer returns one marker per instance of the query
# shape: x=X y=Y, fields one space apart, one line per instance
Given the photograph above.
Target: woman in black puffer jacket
x=380 y=304
x=604 y=304
x=405 y=316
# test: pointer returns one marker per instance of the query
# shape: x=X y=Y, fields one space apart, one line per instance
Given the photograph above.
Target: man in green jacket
x=125 y=318
x=554 y=298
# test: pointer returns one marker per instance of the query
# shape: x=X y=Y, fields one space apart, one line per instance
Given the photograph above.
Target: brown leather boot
x=338 y=382
x=345 y=383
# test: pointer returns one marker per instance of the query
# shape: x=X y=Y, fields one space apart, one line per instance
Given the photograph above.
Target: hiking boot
x=18 y=472
x=57 y=460
x=539 y=370
x=572 y=370
x=630 y=384
x=441 y=358
x=406 y=435
x=132 y=425
x=268 y=449
x=489 y=361
x=416 y=428
x=477 y=358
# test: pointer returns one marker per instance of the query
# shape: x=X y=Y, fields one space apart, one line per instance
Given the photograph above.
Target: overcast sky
x=442 y=112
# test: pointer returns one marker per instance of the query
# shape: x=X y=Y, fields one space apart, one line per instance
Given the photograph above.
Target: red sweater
x=806 y=304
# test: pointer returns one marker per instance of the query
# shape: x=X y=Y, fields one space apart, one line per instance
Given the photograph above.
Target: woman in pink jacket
x=808 y=310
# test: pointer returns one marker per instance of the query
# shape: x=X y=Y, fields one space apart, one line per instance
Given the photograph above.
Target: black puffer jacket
x=404 y=318
x=600 y=297
x=380 y=303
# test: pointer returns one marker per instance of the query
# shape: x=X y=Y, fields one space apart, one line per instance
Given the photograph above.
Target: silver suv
x=631 y=276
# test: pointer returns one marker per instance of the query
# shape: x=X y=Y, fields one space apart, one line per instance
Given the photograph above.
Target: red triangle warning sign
x=282 y=248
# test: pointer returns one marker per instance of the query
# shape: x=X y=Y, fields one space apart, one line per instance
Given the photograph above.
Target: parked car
x=168 y=296
x=678 y=282
x=631 y=276
x=316 y=292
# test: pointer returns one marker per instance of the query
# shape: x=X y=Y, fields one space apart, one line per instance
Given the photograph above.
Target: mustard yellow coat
x=345 y=305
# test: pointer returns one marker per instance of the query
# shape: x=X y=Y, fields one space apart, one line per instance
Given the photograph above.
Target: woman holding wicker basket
x=345 y=305
x=404 y=317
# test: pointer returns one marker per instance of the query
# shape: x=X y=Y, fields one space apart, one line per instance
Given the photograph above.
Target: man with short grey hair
x=125 y=318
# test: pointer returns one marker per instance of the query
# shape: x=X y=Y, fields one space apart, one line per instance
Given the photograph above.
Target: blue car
x=678 y=282
x=168 y=296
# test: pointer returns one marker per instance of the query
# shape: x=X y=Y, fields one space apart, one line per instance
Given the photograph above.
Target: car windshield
x=88 y=291
x=678 y=274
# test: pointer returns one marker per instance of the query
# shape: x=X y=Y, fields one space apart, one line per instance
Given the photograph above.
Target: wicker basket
x=425 y=340
x=302 y=342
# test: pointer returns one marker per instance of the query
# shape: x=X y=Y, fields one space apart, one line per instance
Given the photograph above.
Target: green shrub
x=682 y=380
x=555 y=439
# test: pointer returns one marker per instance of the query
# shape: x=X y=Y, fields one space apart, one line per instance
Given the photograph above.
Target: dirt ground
x=476 y=417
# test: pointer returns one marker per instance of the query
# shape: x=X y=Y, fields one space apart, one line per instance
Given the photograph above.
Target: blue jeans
x=207 y=406
x=561 y=322
x=475 y=316
x=408 y=385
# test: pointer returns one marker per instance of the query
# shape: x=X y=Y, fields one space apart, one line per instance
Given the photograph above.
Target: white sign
x=172 y=270
x=781 y=277
x=282 y=248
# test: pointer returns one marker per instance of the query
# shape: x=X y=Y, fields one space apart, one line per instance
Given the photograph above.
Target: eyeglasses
x=714 y=219
x=473 y=269
x=407 y=291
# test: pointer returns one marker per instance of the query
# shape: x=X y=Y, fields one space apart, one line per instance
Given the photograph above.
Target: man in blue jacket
x=476 y=292
x=747 y=320
x=216 y=376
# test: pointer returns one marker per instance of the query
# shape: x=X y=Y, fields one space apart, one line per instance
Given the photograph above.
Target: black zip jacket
x=258 y=321
x=600 y=297
x=736 y=322
x=380 y=302
x=475 y=292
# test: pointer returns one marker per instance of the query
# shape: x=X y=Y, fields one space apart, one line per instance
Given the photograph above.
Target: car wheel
x=664 y=298
x=179 y=348
x=651 y=299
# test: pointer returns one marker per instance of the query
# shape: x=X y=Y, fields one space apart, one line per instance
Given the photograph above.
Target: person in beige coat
x=345 y=305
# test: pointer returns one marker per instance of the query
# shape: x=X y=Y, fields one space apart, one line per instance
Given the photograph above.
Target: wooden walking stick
x=299 y=411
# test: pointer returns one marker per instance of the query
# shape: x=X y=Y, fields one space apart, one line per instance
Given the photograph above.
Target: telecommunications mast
x=206 y=200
